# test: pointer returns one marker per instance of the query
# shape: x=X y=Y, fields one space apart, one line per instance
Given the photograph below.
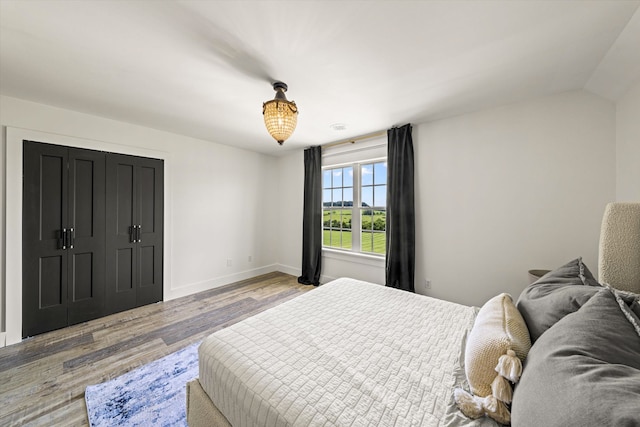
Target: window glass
x=337 y=178
x=347 y=176
x=326 y=196
x=354 y=210
x=337 y=197
x=367 y=174
x=367 y=196
x=380 y=173
x=326 y=179
x=373 y=208
x=380 y=195
x=347 y=196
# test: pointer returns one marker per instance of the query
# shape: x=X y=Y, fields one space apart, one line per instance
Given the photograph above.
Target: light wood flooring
x=42 y=379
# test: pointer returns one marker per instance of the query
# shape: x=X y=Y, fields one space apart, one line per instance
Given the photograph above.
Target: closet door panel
x=121 y=249
x=124 y=199
x=87 y=219
x=83 y=288
x=147 y=185
x=50 y=286
x=82 y=197
x=44 y=262
x=125 y=261
x=52 y=190
x=150 y=181
x=147 y=261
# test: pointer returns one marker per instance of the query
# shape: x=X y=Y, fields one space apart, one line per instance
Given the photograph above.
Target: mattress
x=349 y=353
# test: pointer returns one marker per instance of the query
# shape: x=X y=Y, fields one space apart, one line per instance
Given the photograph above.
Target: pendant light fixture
x=280 y=115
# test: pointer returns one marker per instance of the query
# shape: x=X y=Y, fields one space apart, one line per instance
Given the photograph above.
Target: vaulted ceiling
x=204 y=68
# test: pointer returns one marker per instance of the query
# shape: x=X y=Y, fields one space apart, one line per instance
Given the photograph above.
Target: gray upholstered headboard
x=619 y=254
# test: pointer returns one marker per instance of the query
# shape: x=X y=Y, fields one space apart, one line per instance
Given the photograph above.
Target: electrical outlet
x=250 y=258
x=229 y=263
x=427 y=283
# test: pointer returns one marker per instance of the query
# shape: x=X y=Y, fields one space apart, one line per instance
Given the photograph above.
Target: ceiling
x=204 y=68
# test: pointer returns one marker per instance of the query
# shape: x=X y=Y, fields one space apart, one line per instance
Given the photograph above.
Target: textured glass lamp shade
x=280 y=115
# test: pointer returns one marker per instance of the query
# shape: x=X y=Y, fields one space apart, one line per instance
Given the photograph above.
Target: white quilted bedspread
x=349 y=353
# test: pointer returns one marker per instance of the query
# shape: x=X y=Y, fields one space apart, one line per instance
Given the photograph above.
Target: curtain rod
x=354 y=140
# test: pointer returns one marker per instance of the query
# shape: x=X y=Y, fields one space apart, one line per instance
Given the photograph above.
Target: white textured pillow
x=499 y=327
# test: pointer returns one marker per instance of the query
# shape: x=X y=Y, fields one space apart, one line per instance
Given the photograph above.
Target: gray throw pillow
x=632 y=301
x=556 y=294
x=635 y=307
x=584 y=371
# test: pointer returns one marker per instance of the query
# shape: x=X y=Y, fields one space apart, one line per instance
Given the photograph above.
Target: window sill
x=355 y=257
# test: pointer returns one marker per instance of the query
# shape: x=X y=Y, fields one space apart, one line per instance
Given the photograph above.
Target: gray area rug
x=154 y=394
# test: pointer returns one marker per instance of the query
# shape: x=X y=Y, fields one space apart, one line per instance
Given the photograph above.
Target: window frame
x=356 y=210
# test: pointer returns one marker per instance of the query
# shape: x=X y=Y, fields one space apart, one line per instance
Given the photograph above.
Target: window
x=354 y=207
x=373 y=209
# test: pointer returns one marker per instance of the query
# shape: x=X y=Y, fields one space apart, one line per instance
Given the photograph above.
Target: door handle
x=67 y=238
x=63 y=239
x=135 y=233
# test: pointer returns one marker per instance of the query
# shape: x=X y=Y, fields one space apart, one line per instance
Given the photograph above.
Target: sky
x=337 y=184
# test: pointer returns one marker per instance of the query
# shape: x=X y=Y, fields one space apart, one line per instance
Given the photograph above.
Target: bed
x=351 y=353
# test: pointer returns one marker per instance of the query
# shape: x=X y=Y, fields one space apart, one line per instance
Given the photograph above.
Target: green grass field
x=373 y=242
x=342 y=217
x=342 y=239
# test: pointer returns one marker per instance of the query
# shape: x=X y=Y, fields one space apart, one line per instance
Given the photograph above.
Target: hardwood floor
x=42 y=379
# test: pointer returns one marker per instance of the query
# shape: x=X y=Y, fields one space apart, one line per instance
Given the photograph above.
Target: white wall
x=509 y=189
x=628 y=145
x=290 y=203
x=217 y=198
x=498 y=192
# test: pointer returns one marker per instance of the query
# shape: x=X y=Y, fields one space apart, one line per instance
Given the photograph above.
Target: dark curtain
x=312 y=217
x=401 y=241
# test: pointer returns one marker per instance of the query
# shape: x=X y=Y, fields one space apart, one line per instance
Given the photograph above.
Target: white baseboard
x=296 y=272
x=3 y=339
x=219 y=281
x=326 y=279
x=288 y=269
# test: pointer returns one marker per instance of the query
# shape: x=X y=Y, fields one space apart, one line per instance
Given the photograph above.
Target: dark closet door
x=134 y=231
x=87 y=219
x=44 y=215
x=63 y=236
x=121 y=259
x=150 y=208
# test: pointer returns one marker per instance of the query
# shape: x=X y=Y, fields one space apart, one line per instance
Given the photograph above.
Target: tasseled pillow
x=497 y=344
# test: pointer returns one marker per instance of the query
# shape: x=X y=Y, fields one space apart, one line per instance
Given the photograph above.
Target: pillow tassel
x=497 y=410
x=475 y=407
x=469 y=404
x=509 y=366
x=501 y=389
